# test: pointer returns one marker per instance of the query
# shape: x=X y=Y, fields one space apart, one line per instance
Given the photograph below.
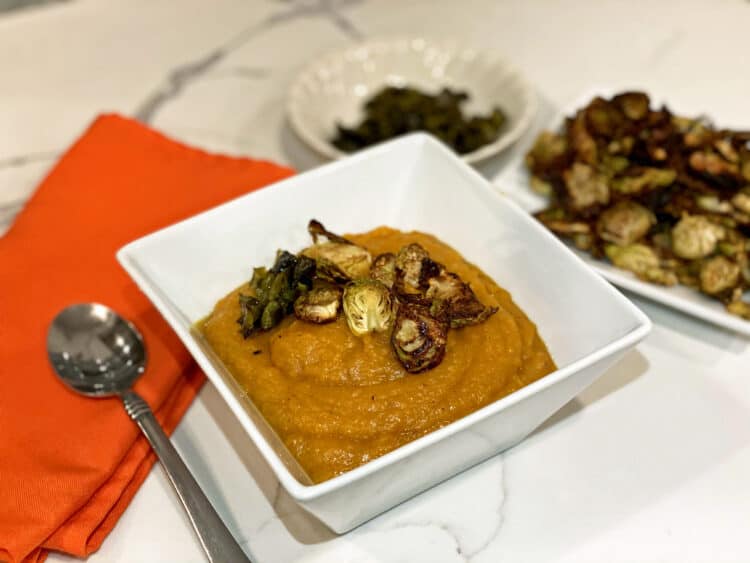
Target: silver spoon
x=98 y=353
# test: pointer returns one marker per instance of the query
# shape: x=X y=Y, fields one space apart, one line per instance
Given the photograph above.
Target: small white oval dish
x=333 y=88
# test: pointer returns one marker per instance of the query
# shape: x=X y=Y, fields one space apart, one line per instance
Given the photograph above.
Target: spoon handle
x=217 y=541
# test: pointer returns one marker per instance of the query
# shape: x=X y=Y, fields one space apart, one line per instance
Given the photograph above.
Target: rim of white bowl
x=296 y=96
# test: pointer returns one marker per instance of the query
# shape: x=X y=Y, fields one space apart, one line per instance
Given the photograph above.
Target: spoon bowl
x=94 y=350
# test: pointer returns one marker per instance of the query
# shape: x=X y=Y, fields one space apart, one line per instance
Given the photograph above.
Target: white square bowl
x=411 y=183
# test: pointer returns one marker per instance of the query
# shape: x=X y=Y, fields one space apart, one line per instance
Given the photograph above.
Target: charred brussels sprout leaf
x=304 y=271
x=276 y=290
x=272 y=315
x=320 y=305
x=250 y=311
x=338 y=259
x=368 y=306
x=316 y=229
x=259 y=274
x=284 y=261
x=454 y=300
x=418 y=338
x=397 y=111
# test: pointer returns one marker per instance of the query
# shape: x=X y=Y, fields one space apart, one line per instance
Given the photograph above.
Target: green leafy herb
x=397 y=111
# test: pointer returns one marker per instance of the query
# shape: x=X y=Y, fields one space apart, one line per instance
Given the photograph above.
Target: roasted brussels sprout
x=716 y=168
x=633 y=104
x=548 y=150
x=319 y=305
x=418 y=338
x=586 y=188
x=625 y=223
x=719 y=274
x=642 y=260
x=414 y=268
x=339 y=262
x=635 y=258
x=454 y=300
x=648 y=179
x=338 y=259
x=383 y=269
x=368 y=306
x=696 y=237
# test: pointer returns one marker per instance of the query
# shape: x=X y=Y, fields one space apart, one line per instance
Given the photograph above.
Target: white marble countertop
x=651 y=463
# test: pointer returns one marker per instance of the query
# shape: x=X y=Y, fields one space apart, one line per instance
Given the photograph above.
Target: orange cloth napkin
x=69 y=466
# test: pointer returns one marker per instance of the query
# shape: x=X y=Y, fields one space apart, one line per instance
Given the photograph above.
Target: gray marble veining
x=179 y=78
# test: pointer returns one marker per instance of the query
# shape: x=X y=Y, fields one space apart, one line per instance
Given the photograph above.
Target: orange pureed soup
x=338 y=400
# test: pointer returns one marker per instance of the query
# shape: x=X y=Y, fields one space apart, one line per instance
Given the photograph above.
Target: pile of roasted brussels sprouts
x=663 y=196
x=407 y=293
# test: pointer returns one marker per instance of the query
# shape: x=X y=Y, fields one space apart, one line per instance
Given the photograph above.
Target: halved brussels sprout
x=549 y=150
x=319 y=305
x=418 y=338
x=642 y=261
x=718 y=275
x=625 y=223
x=368 y=306
x=338 y=259
x=455 y=301
x=339 y=262
x=586 y=188
x=695 y=237
x=635 y=258
x=414 y=268
x=383 y=269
